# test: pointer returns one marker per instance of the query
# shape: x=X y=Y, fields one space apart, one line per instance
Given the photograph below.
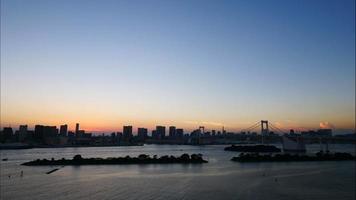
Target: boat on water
x=295 y=145
x=253 y=148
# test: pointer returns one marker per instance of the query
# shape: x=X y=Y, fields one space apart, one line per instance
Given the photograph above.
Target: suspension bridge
x=265 y=127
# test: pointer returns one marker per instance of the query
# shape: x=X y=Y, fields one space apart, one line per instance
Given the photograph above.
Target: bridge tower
x=201 y=133
x=264 y=129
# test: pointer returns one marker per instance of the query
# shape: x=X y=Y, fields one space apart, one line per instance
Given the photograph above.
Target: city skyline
x=260 y=131
x=199 y=64
x=135 y=129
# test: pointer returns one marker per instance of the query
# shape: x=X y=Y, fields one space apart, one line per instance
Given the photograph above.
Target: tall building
x=76 y=128
x=39 y=132
x=50 y=135
x=161 y=132
x=42 y=133
x=50 y=131
x=22 y=132
x=63 y=130
x=7 y=133
x=127 y=133
x=142 y=133
x=172 y=131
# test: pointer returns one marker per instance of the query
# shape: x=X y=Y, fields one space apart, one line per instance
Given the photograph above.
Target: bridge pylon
x=264 y=129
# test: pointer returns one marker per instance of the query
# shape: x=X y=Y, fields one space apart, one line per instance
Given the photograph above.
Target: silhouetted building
x=161 y=132
x=22 y=132
x=142 y=133
x=127 y=133
x=50 y=131
x=7 y=134
x=172 y=131
x=76 y=128
x=45 y=134
x=63 y=130
x=39 y=133
x=179 y=133
x=79 y=133
x=30 y=134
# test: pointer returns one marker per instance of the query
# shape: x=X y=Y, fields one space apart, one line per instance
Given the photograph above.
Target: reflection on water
x=218 y=179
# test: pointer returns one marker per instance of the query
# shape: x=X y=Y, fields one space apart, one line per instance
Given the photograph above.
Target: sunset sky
x=105 y=64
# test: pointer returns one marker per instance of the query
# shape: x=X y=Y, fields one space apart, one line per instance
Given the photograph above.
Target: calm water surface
x=218 y=179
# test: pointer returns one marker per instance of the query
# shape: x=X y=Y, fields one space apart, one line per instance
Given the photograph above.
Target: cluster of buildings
x=43 y=135
x=52 y=136
x=312 y=133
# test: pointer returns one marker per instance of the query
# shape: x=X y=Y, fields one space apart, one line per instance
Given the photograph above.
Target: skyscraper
x=63 y=130
x=127 y=133
x=39 y=132
x=8 y=133
x=142 y=133
x=76 y=128
x=22 y=132
x=161 y=132
x=172 y=131
x=50 y=131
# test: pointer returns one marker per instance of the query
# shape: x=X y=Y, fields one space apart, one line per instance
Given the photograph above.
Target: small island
x=253 y=148
x=320 y=156
x=141 y=159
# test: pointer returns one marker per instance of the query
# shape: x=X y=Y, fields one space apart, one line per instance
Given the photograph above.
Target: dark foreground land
x=141 y=159
x=292 y=158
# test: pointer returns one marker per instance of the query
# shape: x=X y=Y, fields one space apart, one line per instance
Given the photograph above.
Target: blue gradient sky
x=186 y=63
